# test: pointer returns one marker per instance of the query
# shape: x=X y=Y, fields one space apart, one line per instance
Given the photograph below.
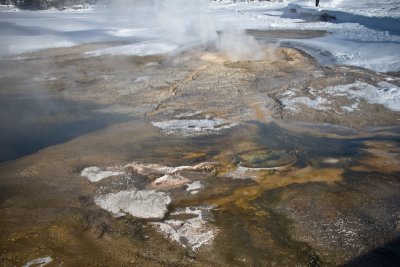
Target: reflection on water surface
x=33 y=122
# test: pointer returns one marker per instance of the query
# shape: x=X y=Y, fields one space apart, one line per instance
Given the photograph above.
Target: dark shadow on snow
x=388 y=24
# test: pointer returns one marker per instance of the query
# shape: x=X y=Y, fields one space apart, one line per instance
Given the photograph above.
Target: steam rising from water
x=188 y=23
x=334 y=3
x=239 y=46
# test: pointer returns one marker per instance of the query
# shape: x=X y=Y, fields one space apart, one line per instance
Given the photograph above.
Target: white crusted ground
x=151 y=204
x=383 y=93
x=39 y=262
x=194 y=187
x=171 y=176
x=193 y=233
x=317 y=103
x=169 y=181
x=251 y=173
x=147 y=204
x=193 y=127
x=138 y=49
x=146 y=169
x=95 y=174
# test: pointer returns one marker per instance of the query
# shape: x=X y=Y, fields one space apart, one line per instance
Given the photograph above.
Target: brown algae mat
x=200 y=162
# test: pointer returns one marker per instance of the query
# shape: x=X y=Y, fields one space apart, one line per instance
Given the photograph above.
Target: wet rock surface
x=348 y=228
x=162 y=189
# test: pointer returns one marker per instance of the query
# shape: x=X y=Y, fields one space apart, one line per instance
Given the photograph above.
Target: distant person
x=316 y=2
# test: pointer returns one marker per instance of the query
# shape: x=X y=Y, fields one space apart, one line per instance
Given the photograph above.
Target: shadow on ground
x=387 y=255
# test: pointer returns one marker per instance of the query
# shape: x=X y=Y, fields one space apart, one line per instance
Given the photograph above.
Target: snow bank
x=358 y=36
x=364 y=7
x=365 y=33
x=384 y=93
x=133 y=32
x=137 y=49
x=25 y=44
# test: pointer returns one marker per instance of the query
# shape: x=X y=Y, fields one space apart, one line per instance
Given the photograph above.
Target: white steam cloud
x=334 y=3
x=237 y=45
x=187 y=23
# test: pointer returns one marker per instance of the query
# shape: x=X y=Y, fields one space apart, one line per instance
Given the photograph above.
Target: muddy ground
x=317 y=184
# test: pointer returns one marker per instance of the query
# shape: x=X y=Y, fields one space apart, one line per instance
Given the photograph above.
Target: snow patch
x=193 y=233
x=39 y=262
x=147 y=204
x=44 y=79
x=188 y=114
x=319 y=103
x=331 y=161
x=194 y=187
x=384 y=93
x=170 y=177
x=146 y=169
x=290 y=93
x=251 y=173
x=193 y=127
x=32 y=43
x=136 y=49
x=142 y=79
x=136 y=32
x=350 y=108
x=95 y=174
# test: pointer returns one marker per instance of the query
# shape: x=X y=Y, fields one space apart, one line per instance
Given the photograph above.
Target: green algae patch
x=265 y=159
